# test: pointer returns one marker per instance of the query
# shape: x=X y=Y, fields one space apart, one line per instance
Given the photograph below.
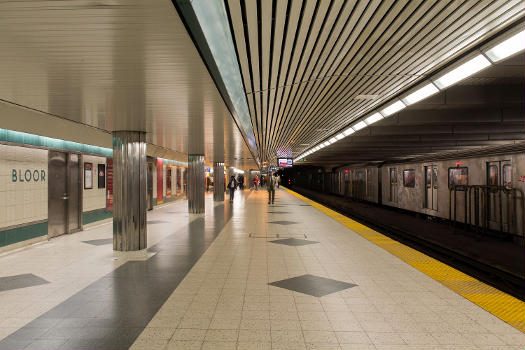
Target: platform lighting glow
x=393 y=108
x=321 y=146
x=509 y=47
x=468 y=68
x=326 y=143
x=317 y=148
x=238 y=171
x=373 y=118
x=359 y=125
x=348 y=131
x=339 y=136
x=333 y=140
x=420 y=94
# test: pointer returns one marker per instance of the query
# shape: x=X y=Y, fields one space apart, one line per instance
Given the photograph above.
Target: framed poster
x=409 y=178
x=88 y=176
x=101 y=176
x=458 y=176
x=109 y=190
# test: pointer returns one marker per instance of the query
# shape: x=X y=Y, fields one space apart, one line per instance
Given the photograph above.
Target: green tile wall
x=96 y=215
x=23 y=233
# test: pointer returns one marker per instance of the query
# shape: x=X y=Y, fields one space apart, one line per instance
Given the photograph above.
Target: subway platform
x=246 y=275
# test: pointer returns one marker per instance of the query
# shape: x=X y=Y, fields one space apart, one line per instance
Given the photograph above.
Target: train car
x=485 y=192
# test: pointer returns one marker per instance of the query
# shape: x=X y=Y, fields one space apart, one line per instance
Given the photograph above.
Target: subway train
x=483 y=191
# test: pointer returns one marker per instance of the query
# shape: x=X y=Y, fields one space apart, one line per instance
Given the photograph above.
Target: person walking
x=256 y=182
x=270 y=186
x=232 y=185
x=278 y=178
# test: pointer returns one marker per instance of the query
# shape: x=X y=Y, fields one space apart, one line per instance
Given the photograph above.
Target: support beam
x=196 y=183
x=218 y=181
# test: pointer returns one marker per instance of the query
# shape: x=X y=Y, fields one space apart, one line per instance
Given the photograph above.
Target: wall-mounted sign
x=88 y=176
x=28 y=175
x=284 y=162
x=109 y=181
x=101 y=176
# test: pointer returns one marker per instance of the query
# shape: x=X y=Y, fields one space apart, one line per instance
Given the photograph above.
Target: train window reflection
x=507 y=175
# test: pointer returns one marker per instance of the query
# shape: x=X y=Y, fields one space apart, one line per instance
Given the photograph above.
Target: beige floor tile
x=157 y=333
x=253 y=346
x=182 y=345
x=255 y=315
x=224 y=323
x=257 y=336
x=353 y=338
x=312 y=316
x=316 y=325
x=385 y=338
x=189 y=334
x=289 y=346
x=278 y=325
x=219 y=345
x=283 y=315
x=321 y=337
x=199 y=323
x=322 y=346
x=345 y=325
x=287 y=336
x=255 y=324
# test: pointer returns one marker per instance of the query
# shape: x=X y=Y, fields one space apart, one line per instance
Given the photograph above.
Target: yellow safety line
x=501 y=305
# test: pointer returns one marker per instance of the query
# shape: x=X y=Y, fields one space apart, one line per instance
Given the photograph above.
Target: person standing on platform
x=278 y=178
x=270 y=186
x=256 y=182
x=232 y=185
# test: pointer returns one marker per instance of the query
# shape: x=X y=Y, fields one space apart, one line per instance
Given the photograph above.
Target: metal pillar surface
x=196 y=183
x=129 y=190
x=218 y=181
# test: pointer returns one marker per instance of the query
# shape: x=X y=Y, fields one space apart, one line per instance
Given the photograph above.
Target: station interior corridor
x=246 y=275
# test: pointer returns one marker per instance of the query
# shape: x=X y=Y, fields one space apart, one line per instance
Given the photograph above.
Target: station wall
x=24 y=198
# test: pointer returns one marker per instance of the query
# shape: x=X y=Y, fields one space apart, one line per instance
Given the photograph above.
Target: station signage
x=28 y=175
x=284 y=162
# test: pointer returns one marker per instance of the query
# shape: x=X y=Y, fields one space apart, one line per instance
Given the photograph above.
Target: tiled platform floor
x=226 y=302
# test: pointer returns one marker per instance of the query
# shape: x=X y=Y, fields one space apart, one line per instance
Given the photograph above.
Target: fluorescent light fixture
x=348 y=131
x=359 y=125
x=332 y=140
x=373 y=118
x=420 y=94
x=509 y=47
x=465 y=70
x=321 y=145
x=317 y=148
x=340 y=136
x=326 y=143
x=393 y=108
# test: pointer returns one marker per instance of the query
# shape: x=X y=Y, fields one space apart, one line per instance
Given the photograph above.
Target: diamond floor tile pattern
x=294 y=242
x=313 y=285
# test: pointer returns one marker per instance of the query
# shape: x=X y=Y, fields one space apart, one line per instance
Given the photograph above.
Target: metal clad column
x=218 y=181
x=196 y=183
x=129 y=190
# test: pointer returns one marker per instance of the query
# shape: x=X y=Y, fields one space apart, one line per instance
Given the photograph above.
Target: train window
x=409 y=178
x=493 y=175
x=458 y=176
x=507 y=175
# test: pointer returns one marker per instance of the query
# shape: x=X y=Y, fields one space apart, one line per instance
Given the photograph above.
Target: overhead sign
x=284 y=162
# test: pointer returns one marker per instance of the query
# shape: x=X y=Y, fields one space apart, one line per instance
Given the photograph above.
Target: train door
x=499 y=174
x=431 y=187
x=393 y=185
x=64 y=194
x=369 y=183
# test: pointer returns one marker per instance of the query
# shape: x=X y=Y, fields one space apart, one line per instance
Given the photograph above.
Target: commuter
x=270 y=186
x=256 y=182
x=278 y=178
x=232 y=185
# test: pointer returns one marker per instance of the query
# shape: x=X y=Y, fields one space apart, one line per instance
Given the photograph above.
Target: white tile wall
x=22 y=202
x=94 y=198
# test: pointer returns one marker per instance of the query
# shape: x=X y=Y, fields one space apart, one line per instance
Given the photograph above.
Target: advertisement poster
x=101 y=176
x=160 y=182
x=88 y=175
x=109 y=184
x=168 y=182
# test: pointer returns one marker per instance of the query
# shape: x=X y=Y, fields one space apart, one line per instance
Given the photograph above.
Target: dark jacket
x=232 y=184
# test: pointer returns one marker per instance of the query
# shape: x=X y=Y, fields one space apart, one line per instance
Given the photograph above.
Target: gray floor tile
x=99 y=241
x=283 y=222
x=294 y=242
x=312 y=285
x=20 y=281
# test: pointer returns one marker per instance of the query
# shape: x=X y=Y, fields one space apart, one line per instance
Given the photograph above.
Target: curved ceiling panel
x=312 y=67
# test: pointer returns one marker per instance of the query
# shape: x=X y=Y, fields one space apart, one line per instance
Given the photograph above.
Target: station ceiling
x=312 y=67
x=486 y=110
x=114 y=65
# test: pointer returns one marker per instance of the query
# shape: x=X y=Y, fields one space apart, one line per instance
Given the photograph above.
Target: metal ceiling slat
x=350 y=83
x=311 y=43
x=240 y=41
x=253 y=36
x=358 y=36
x=453 y=44
x=265 y=35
